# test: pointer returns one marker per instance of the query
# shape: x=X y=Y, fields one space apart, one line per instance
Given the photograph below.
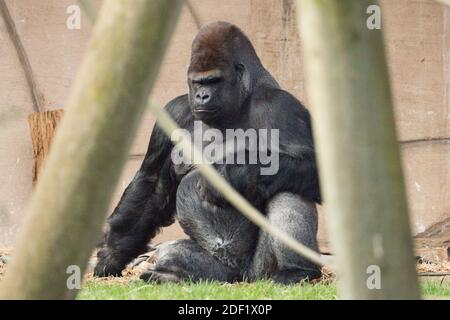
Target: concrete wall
x=417 y=37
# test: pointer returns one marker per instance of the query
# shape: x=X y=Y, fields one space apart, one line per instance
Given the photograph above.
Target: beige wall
x=417 y=36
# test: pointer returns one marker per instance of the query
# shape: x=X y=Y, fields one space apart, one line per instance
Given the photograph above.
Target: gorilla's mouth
x=205 y=110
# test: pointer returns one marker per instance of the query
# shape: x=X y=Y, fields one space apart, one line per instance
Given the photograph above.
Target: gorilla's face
x=216 y=95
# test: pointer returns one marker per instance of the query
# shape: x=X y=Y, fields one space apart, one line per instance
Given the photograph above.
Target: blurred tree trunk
x=70 y=202
x=354 y=127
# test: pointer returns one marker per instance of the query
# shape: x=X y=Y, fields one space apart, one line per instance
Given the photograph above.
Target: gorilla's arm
x=147 y=204
x=298 y=172
x=276 y=109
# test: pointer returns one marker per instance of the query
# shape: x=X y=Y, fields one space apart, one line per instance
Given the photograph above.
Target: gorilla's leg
x=272 y=258
x=220 y=230
x=222 y=240
x=185 y=260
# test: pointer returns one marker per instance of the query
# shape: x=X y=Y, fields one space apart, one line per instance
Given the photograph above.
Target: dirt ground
x=4 y=254
x=437 y=270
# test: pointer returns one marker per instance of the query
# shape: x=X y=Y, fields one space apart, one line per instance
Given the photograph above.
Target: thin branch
x=89 y=9
x=427 y=139
x=22 y=55
x=193 y=13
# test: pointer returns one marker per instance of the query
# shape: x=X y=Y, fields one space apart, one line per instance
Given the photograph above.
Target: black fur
x=228 y=89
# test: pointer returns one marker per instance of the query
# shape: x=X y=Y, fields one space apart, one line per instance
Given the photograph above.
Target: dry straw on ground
x=132 y=272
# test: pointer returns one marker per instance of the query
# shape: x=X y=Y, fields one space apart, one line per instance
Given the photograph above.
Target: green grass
x=106 y=290
x=433 y=289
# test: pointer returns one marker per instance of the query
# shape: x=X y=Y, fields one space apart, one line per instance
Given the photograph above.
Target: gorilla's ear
x=244 y=76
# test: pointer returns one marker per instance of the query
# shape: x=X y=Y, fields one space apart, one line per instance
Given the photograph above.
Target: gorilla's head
x=222 y=72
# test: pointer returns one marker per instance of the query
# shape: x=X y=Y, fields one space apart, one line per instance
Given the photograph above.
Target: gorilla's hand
x=107 y=265
x=243 y=178
x=209 y=193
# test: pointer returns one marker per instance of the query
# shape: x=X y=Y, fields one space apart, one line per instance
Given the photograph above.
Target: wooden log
x=42 y=129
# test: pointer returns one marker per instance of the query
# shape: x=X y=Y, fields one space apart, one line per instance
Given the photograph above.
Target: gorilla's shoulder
x=179 y=109
x=180 y=103
x=275 y=98
x=278 y=106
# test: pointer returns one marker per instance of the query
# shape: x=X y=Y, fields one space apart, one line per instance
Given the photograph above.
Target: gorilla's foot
x=295 y=276
x=182 y=260
x=152 y=275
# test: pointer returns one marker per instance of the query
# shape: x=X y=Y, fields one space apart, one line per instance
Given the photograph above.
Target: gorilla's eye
x=207 y=80
x=214 y=80
x=240 y=68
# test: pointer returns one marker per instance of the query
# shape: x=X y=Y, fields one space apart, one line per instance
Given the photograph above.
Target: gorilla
x=228 y=89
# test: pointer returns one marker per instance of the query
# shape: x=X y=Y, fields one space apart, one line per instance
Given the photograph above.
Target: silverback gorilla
x=228 y=88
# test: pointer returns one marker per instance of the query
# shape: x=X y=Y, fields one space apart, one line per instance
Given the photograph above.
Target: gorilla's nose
x=202 y=97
